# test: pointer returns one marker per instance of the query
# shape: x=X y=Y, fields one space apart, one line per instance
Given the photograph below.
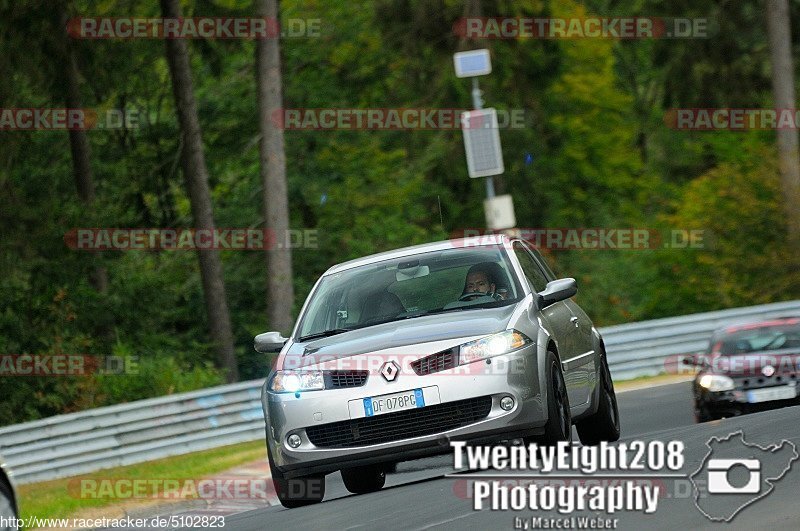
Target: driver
x=479 y=281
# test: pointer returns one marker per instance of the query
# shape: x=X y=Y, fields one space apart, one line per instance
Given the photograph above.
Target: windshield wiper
x=432 y=312
x=489 y=304
x=324 y=333
x=334 y=331
x=401 y=318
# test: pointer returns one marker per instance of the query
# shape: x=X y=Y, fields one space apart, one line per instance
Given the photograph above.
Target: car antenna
x=441 y=220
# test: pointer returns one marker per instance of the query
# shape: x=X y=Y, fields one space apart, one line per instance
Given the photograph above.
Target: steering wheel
x=467 y=296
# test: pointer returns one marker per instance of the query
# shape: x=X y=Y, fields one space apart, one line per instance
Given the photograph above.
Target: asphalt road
x=419 y=496
x=655 y=409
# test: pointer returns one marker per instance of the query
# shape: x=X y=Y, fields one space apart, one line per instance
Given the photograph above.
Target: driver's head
x=479 y=280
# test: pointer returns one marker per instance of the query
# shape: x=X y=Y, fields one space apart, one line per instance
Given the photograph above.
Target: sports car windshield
x=412 y=286
x=760 y=339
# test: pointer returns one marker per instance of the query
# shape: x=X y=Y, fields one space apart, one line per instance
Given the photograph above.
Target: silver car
x=398 y=353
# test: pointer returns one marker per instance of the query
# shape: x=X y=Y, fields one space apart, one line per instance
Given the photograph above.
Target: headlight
x=493 y=345
x=293 y=381
x=716 y=382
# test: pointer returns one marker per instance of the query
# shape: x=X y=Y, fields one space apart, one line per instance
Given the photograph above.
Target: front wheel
x=604 y=424
x=559 y=420
x=296 y=492
x=702 y=414
x=8 y=512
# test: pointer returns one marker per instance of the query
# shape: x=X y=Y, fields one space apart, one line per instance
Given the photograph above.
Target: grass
x=55 y=499
x=645 y=381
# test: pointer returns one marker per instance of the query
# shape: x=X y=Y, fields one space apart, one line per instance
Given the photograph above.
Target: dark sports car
x=747 y=368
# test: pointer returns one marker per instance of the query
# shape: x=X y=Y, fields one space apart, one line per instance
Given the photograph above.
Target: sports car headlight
x=716 y=382
x=293 y=381
x=493 y=345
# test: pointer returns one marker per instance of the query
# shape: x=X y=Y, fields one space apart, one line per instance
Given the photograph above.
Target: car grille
x=345 y=379
x=400 y=425
x=751 y=382
x=441 y=361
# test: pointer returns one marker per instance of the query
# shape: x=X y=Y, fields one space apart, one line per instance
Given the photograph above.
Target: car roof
x=752 y=325
x=456 y=243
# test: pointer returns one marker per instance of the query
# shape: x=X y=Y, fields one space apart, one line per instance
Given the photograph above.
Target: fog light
x=294 y=440
x=507 y=403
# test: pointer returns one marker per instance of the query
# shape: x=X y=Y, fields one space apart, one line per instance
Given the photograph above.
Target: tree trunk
x=780 y=43
x=280 y=290
x=79 y=142
x=196 y=175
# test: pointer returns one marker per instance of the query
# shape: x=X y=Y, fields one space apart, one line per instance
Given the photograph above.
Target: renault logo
x=389 y=371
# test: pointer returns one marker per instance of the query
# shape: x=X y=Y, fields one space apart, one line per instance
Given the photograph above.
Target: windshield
x=760 y=339
x=408 y=287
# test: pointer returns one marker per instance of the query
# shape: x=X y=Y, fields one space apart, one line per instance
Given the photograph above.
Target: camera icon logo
x=718 y=476
x=735 y=473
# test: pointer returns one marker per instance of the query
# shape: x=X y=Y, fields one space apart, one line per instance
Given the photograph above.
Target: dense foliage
x=596 y=152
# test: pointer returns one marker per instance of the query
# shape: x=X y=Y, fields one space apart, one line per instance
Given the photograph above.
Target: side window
x=536 y=278
x=543 y=265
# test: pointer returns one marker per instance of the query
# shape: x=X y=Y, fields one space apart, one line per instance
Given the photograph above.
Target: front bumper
x=515 y=374
x=735 y=402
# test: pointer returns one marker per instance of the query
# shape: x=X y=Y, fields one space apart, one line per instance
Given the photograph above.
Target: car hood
x=425 y=329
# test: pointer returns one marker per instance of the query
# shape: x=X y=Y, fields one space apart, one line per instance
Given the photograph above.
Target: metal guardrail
x=77 y=443
x=648 y=348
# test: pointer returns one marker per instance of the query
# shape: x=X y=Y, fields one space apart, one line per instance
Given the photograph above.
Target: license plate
x=783 y=392
x=380 y=405
x=404 y=400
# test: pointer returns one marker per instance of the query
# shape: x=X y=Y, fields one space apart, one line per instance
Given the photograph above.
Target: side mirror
x=557 y=290
x=696 y=360
x=269 y=342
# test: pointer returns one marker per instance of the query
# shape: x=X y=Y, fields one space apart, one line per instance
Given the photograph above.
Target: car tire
x=8 y=509
x=559 y=421
x=296 y=492
x=701 y=414
x=603 y=425
x=364 y=479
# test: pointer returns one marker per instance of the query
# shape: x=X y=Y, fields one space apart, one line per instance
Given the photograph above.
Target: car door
x=558 y=317
x=584 y=362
